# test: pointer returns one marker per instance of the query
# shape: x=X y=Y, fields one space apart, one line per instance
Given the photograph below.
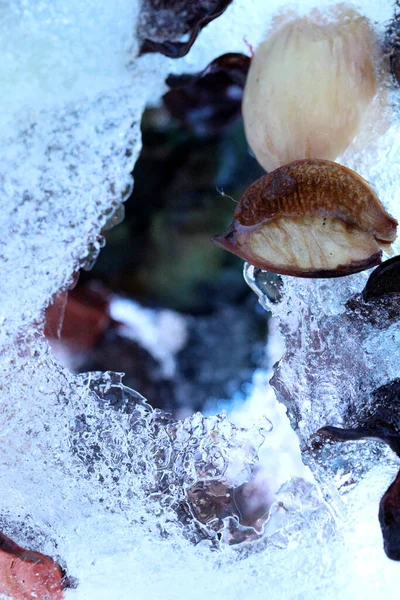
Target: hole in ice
x=161 y=305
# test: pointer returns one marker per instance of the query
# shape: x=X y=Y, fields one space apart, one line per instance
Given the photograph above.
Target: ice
x=136 y=470
x=335 y=357
x=340 y=355
x=129 y=500
x=70 y=114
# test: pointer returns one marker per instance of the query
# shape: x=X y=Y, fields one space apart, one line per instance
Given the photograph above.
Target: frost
x=70 y=135
x=125 y=496
x=337 y=350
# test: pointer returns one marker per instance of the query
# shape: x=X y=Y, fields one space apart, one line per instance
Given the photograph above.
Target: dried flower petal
x=310 y=218
x=207 y=101
x=173 y=18
x=389 y=506
x=25 y=574
x=389 y=519
x=308 y=88
x=384 y=281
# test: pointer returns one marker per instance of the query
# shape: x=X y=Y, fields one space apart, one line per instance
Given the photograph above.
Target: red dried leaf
x=389 y=519
x=78 y=317
x=25 y=574
x=384 y=281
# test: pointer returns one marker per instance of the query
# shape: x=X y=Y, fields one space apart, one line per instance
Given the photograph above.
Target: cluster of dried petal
x=308 y=88
x=310 y=218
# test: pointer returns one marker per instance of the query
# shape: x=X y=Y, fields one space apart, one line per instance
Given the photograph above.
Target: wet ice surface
x=339 y=349
x=102 y=481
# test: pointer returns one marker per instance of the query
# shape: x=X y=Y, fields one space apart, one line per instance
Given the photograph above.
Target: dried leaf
x=361 y=433
x=310 y=218
x=173 y=18
x=78 y=317
x=383 y=281
x=377 y=418
x=25 y=574
x=389 y=519
x=207 y=101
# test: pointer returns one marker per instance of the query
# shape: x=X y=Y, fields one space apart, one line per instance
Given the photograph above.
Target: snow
x=163 y=333
x=101 y=486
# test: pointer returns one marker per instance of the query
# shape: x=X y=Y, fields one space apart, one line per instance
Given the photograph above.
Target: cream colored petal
x=313 y=244
x=308 y=88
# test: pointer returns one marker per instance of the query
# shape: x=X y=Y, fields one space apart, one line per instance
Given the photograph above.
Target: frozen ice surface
x=338 y=353
x=334 y=357
x=108 y=477
x=90 y=473
x=70 y=132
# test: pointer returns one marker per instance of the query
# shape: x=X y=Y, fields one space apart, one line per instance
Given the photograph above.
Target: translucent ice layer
x=340 y=365
x=127 y=499
x=339 y=349
x=70 y=131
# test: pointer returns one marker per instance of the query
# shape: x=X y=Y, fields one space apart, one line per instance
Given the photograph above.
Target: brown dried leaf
x=79 y=317
x=310 y=218
x=173 y=18
x=384 y=281
x=207 y=101
x=389 y=519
